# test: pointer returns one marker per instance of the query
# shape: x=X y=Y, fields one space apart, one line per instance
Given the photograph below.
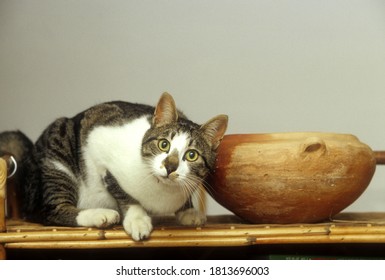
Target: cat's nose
x=170 y=169
x=171 y=163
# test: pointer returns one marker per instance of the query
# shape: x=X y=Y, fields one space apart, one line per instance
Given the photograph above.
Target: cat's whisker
x=203 y=185
x=200 y=198
x=207 y=187
x=193 y=184
x=185 y=188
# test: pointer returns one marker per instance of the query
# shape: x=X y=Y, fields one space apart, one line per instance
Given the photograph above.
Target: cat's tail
x=16 y=144
x=16 y=148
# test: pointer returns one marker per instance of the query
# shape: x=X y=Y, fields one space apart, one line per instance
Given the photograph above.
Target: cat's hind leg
x=66 y=201
x=61 y=210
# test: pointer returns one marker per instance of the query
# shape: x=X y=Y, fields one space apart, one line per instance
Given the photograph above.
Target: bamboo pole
x=228 y=231
x=352 y=230
x=129 y=243
x=216 y=231
x=200 y=242
x=83 y=235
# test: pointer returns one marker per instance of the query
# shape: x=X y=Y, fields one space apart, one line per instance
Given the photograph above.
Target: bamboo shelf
x=220 y=231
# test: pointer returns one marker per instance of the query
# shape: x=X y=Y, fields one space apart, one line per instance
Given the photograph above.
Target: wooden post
x=3 y=256
x=3 y=178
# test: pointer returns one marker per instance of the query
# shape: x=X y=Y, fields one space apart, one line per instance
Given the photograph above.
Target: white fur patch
x=61 y=167
x=137 y=223
x=118 y=150
x=100 y=218
x=95 y=197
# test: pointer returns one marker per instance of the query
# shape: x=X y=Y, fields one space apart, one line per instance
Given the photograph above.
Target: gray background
x=272 y=66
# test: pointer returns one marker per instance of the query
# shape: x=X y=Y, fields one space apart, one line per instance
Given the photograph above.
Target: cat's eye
x=191 y=155
x=164 y=145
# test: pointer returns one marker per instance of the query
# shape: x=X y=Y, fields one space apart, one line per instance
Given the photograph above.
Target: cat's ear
x=165 y=111
x=214 y=130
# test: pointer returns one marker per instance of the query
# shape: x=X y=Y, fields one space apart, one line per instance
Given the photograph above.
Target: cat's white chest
x=156 y=197
x=118 y=150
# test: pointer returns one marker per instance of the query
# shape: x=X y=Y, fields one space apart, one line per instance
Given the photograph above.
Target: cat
x=120 y=162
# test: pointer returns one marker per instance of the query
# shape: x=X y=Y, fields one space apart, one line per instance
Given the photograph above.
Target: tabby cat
x=120 y=162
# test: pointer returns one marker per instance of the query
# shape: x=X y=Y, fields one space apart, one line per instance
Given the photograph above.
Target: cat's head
x=178 y=150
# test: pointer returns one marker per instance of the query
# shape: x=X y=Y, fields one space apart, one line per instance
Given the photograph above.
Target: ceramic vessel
x=290 y=177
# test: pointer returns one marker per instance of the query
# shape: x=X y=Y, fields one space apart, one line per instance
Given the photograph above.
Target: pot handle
x=379 y=156
x=313 y=145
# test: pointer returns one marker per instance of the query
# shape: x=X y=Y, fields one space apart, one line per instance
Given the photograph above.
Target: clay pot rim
x=290 y=136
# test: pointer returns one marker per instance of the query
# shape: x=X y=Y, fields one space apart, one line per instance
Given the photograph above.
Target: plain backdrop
x=272 y=66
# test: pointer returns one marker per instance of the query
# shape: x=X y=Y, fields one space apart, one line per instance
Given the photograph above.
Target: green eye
x=164 y=145
x=191 y=155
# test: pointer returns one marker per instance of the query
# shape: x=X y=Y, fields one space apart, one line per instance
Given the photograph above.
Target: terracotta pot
x=290 y=177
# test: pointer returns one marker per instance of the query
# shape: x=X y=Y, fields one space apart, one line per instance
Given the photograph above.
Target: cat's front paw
x=137 y=223
x=97 y=217
x=191 y=217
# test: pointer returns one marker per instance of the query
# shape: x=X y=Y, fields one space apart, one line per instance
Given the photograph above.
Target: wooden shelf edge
x=222 y=231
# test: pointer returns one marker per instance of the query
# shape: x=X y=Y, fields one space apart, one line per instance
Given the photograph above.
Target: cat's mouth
x=170 y=178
